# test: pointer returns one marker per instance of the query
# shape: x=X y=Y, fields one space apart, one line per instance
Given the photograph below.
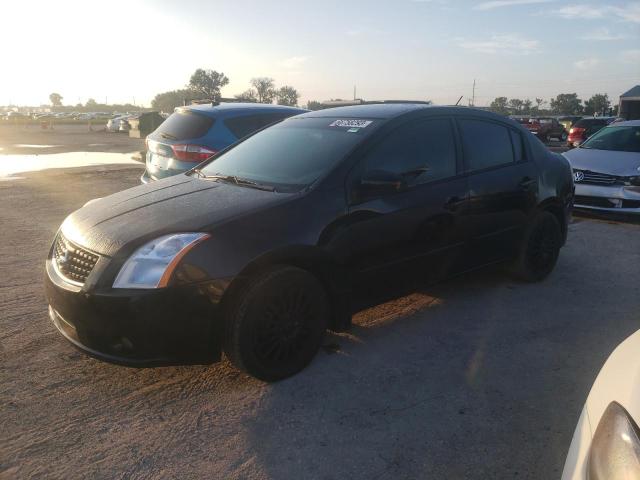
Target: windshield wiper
x=251 y=184
x=237 y=180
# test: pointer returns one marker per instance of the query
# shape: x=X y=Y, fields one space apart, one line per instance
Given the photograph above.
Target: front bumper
x=617 y=198
x=174 y=325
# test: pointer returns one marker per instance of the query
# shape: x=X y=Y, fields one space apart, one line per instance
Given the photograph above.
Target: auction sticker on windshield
x=351 y=123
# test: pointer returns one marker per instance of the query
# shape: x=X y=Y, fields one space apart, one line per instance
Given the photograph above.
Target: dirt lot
x=480 y=377
x=65 y=138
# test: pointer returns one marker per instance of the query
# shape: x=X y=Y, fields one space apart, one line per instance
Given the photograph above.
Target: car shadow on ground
x=420 y=380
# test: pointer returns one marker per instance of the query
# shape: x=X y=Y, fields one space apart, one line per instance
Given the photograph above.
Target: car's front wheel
x=540 y=248
x=275 y=326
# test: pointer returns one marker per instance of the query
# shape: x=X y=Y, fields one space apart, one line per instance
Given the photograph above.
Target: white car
x=606 y=442
x=113 y=125
x=606 y=169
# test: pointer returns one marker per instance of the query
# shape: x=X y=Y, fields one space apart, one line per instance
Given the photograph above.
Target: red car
x=546 y=128
x=585 y=127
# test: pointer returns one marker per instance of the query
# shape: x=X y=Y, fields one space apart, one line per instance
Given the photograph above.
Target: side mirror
x=381 y=182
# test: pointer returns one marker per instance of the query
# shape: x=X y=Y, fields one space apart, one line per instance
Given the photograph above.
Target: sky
x=128 y=51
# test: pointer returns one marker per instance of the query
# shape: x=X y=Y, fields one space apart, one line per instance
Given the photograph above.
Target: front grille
x=595 y=178
x=73 y=262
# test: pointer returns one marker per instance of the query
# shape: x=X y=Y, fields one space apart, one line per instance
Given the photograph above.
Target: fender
x=336 y=279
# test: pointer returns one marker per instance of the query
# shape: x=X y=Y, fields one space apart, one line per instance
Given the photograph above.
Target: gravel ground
x=479 y=377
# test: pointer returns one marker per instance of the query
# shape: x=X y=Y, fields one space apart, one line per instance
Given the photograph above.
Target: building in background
x=629 y=107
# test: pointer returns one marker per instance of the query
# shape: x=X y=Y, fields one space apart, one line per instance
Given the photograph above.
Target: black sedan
x=257 y=251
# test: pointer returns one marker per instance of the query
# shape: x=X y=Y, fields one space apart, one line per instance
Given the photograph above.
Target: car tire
x=540 y=248
x=276 y=324
x=547 y=138
x=563 y=137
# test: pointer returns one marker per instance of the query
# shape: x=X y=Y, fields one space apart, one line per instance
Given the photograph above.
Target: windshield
x=619 y=139
x=291 y=154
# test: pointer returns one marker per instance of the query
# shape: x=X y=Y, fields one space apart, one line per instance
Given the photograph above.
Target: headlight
x=635 y=181
x=615 y=449
x=151 y=265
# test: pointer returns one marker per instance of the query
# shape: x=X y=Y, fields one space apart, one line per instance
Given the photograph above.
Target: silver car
x=113 y=125
x=606 y=169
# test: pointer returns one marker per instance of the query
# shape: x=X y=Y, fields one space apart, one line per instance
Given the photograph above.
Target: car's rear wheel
x=275 y=326
x=540 y=248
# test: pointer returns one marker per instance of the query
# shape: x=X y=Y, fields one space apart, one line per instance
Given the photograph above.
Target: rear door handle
x=526 y=183
x=452 y=203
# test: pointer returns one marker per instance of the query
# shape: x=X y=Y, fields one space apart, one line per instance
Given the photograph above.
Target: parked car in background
x=113 y=125
x=521 y=120
x=124 y=125
x=606 y=169
x=192 y=134
x=14 y=116
x=259 y=250
x=606 y=441
x=546 y=129
x=86 y=116
x=584 y=128
x=568 y=121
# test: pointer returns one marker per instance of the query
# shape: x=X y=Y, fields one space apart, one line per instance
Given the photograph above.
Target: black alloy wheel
x=540 y=248
x=276 y=327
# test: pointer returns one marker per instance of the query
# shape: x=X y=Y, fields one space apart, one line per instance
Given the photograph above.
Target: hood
x=177 y=204
x=622 y=164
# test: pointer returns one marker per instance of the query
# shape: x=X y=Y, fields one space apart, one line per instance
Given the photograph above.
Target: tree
x=264 y=89
x=56 y=99
x=168 y=101
x=515 y=105
x=527 y=107
x=598 y=104
x=287 y=96
x=567 y=104
x=499 y=105
x=208 y=83
x=91 y=103
x=314 y=105
x=539 y=103
x=247 y=96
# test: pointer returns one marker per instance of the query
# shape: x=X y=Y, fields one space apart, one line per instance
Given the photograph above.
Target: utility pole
x=473 y=96
x=354 y=92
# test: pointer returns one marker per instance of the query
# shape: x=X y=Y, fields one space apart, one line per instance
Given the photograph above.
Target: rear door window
x=485 y=144
x=247 y=124
x=518 y=148
x=183 y=125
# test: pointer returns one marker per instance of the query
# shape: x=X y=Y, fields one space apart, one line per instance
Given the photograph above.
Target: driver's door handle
x=453 y=203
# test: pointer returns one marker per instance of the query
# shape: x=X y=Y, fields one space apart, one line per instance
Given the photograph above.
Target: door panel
x=502 y=189
x=500 y=202
x=419 y=229
x=402 y=229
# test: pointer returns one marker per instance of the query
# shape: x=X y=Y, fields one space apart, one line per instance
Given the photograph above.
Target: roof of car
x=233 y=107
x=372 y=110
x=391 y=110
x=628 y=123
